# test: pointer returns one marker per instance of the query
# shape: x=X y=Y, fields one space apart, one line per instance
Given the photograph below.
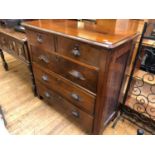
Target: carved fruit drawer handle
x=45 y=78
x=39 y=38
x=76 y=74
x=75 y=96
x=76 y=52
x=43 y=58
x=75 y=113
x=47 y=94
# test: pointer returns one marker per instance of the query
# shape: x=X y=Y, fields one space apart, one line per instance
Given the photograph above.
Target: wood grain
x=102 y=75
x=58 y=102
x=28 y=115
x=87 y=53
x=86 y=31
x=65 y=66
x=65 y=88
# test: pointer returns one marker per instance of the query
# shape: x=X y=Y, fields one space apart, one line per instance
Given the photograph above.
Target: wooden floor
x=26 y=114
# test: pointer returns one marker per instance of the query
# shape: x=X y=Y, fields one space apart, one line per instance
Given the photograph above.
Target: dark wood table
x=15 y=44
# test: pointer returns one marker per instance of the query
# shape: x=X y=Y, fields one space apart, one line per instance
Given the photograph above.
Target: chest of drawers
x=79 y=69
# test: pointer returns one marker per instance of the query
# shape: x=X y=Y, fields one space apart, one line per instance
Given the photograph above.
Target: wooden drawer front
x=66 y=89
x=21 y=51
x=42 y=40
x=79 y=51
x=8 y=44
x=3 y=42
x=75 y=113
x=12 y=46
x=41 y=57
x=77 y=73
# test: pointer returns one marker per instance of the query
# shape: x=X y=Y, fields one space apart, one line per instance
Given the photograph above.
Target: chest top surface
x=105 y=33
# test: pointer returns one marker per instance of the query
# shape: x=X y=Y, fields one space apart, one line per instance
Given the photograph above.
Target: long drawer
x=76 y=72
x=75 y=113
x=80 y=51
x=65 y=88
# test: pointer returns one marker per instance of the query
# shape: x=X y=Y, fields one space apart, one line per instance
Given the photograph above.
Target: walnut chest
x=79 y=67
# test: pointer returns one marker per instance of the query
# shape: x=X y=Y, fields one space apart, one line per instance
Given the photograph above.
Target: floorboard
x=28 y=115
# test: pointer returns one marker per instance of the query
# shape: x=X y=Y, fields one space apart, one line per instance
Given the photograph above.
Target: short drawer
x=85 y=120
x=83 y=75
x=42 y=40
x=66 y=88
x=80 y=51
